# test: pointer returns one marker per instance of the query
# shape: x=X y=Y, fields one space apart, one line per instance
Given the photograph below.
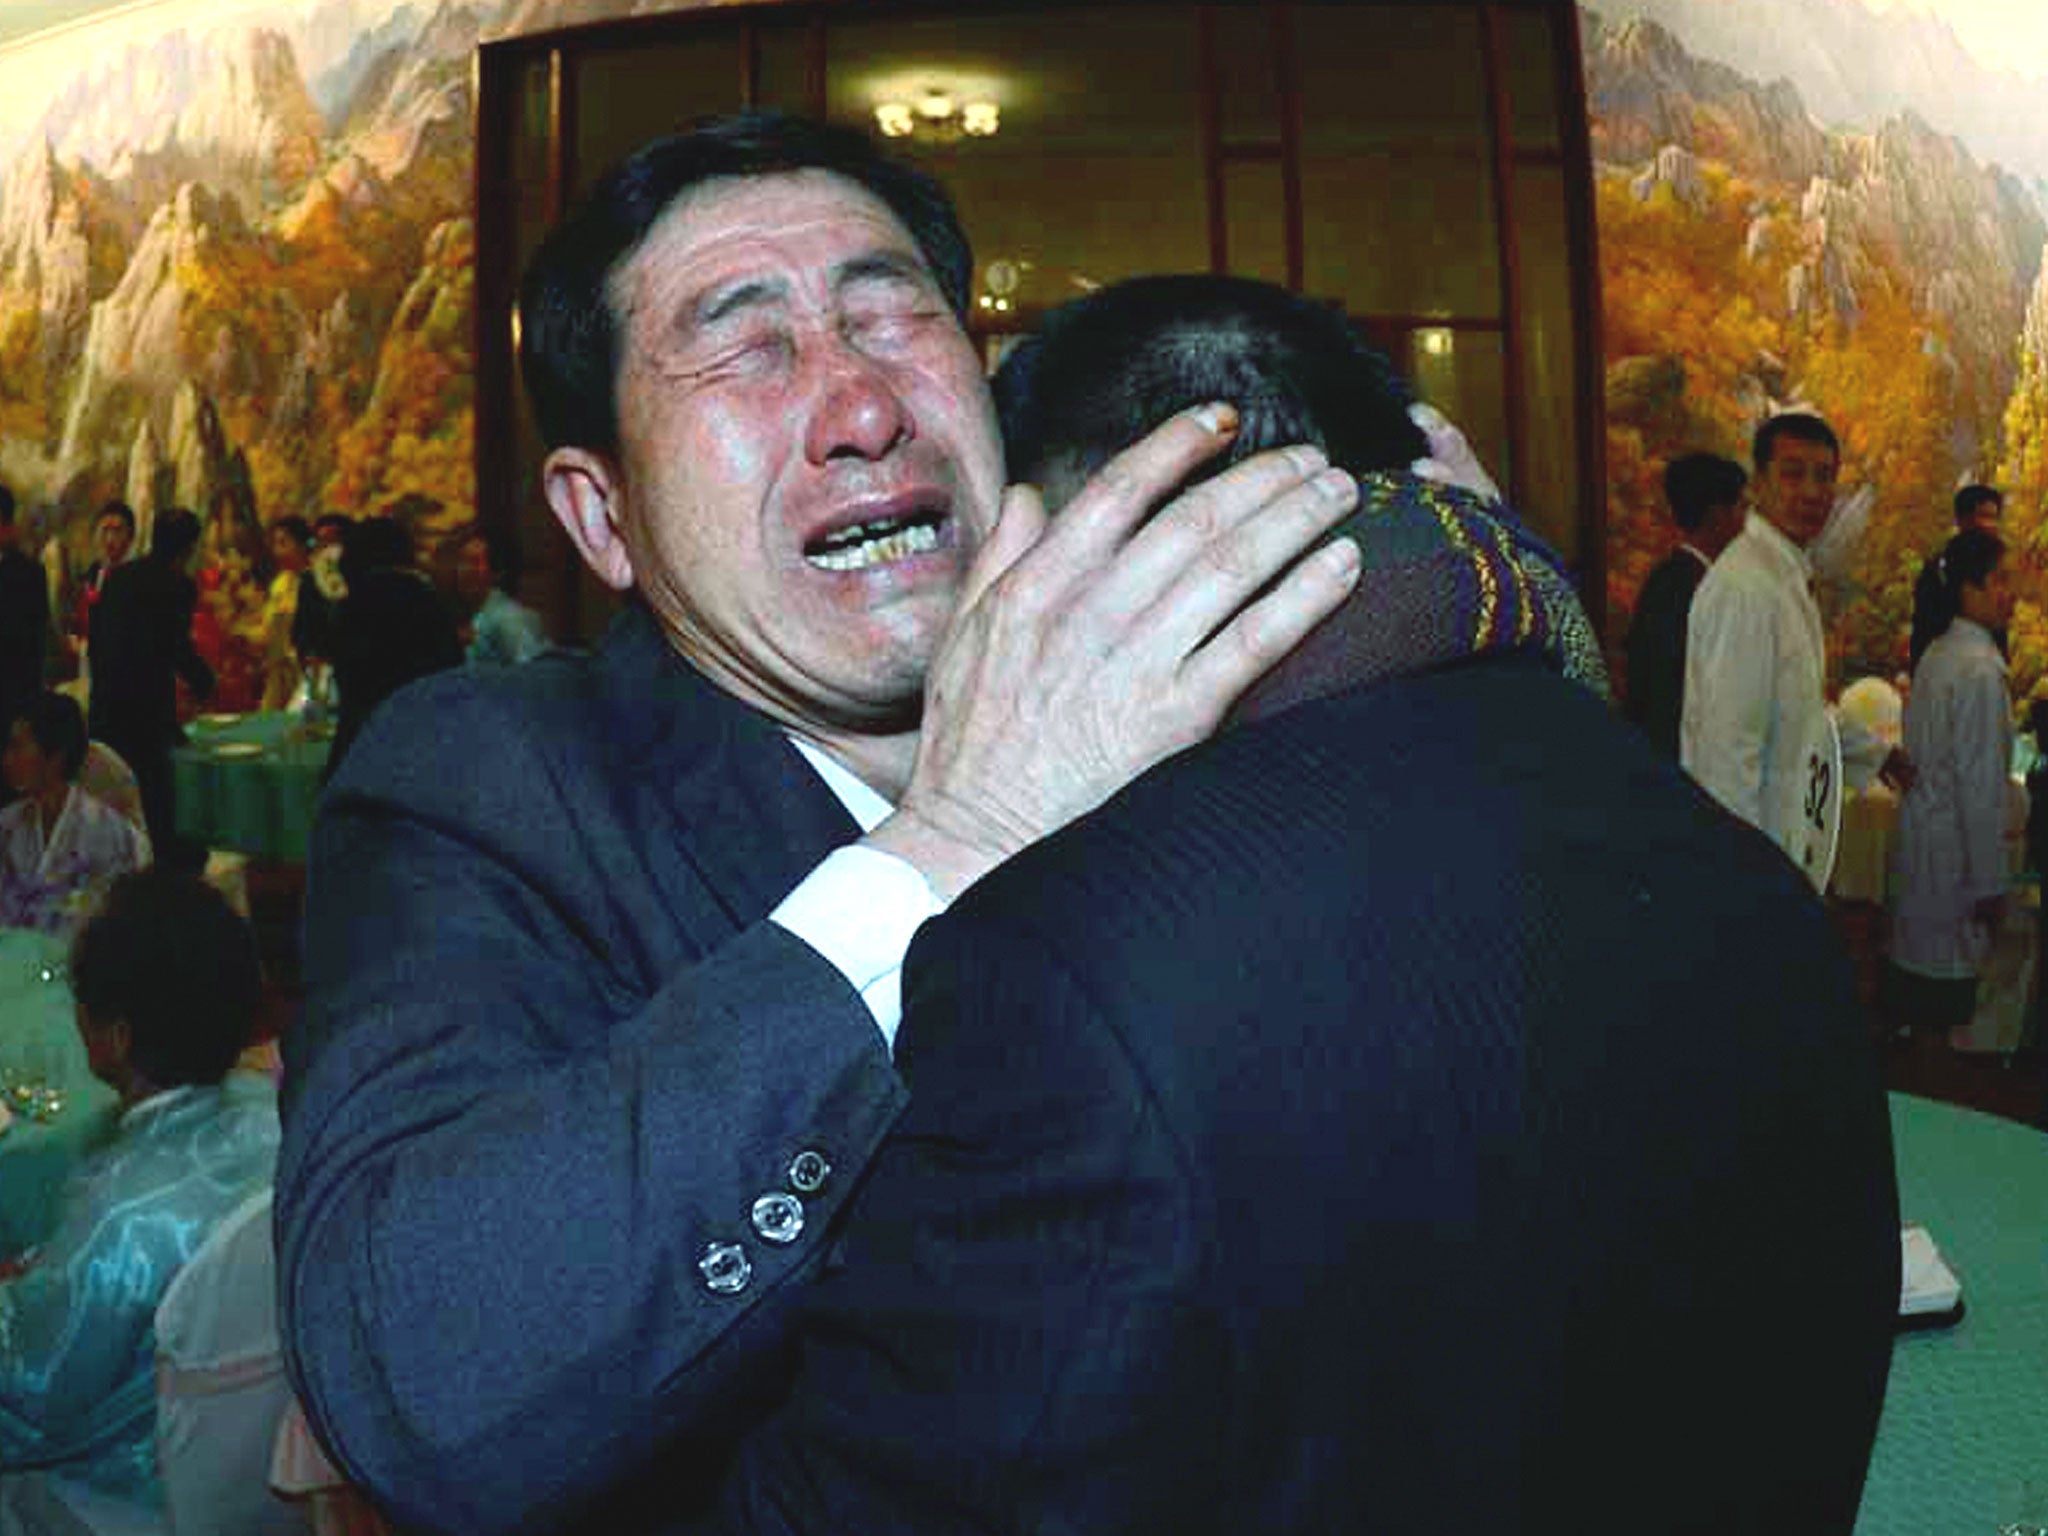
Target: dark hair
x=1968 y=561
x=568 y=333
x=1971 y=497
x=375 y=543
x=167 y=956
x=1105 y=369
x=119 y=509
x=1802 y=425
x=6 y=507
x=58 y=726
x=177 y=531
x=1696 y=483
x=300 y=530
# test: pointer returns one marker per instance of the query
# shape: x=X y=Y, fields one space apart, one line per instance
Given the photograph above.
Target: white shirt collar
x=1766 y=533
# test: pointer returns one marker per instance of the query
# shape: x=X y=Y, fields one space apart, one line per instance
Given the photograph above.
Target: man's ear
x=585 y=493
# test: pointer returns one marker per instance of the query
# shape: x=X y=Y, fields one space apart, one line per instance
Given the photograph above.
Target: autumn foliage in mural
x=1750 y=261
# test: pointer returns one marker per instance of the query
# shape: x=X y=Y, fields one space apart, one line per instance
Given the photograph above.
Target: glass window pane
x=1407 y=233
x=783 y=66
x=1549 y=488
x=1462 y=374
x=1255 y=219
x=626 y=96
x=1247 y=74
x=1530 y=48
x=1374 y=74
x=1095 y=172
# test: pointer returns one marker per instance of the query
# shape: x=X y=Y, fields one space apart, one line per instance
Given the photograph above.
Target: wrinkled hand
x=1083 y=651
x=1451 y=460
x=1897 y=770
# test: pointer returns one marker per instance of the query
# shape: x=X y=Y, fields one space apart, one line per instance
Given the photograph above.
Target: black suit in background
x=141 y=646
x=391 y=629
x=1656 y=647
x=24 y=632
x=1422 y=1111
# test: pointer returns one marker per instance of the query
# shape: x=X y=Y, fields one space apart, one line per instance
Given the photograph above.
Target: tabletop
x=1962 y=1448
x=39 y=1044
x=249 y=783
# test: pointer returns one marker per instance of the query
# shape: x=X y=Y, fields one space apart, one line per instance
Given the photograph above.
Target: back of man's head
x=1977 y=504
x=1801 y=426
x=176 y=535
x=1695 y=484
x=1107 y=368
x=569 y=336
x=1444 y=578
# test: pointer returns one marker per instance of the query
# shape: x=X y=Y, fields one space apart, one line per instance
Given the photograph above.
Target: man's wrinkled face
x=1795 y=491
x=112 y=539
x=808 y=457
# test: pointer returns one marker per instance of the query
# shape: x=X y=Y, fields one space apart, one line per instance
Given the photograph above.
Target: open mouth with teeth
x=863 y=546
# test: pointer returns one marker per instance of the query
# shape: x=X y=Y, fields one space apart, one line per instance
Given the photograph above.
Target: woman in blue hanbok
x=167 y=983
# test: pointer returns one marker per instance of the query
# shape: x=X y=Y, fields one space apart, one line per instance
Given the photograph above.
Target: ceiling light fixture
x=938 y=117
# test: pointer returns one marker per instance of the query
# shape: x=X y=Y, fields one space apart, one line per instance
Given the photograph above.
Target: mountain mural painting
x=1881 y=266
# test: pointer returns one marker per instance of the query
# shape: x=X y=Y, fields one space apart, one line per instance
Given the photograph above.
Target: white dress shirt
x=1755 y=670
x=1952 y=848
x=860 y=906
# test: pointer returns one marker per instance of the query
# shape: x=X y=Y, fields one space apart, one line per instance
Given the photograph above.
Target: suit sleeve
x=505 y=1162
x=1006 y=1323
x=185 y=657
x=1730 y=664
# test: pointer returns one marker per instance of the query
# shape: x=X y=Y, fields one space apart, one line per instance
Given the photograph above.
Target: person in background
x=321 y=589
x=1976 y=506
x=168 y=985
x=24 y=618
x=1706 y=495
x=113 y=537
x=141 y=648
x=1954 y=878
x=60 y=847
x=1756 y=657
x=390 y=628
x=502 y=629
x=291 y=547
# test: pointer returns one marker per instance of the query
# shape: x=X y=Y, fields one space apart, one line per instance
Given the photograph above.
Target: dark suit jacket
x=1656 y=648
x=551 y=1052
x=1423 y=1111
x=390 y=630
x=141 y=646
x=24 y=632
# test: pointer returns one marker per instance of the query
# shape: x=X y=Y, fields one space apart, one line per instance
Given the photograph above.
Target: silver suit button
x=779 y=1218
x=725 y=1268
x=807 y=1174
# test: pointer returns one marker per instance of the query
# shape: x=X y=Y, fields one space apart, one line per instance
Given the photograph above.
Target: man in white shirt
x=1756 y=723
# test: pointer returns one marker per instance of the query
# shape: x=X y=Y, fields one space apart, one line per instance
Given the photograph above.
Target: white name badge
x=1818 y=832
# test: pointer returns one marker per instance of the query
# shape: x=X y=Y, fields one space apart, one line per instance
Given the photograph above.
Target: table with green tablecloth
x=249 y=782
x=1963 y=1444
x=39 y=1042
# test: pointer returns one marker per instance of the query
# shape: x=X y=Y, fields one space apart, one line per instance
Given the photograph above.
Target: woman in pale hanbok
x=1954 y=867
x=168 y=984
x=60 y=846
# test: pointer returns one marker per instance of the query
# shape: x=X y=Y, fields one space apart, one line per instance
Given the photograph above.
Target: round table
x=249 y=783
x=39 y=1035
x=1963 y=1444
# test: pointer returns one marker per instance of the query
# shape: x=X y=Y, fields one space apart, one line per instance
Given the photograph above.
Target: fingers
x=1020 y=524
x=1124 y=491
x=1451 y=460
x=1246 y=648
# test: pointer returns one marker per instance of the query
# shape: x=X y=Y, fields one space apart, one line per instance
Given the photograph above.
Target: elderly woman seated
x=59 y=846
x=168 y=985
